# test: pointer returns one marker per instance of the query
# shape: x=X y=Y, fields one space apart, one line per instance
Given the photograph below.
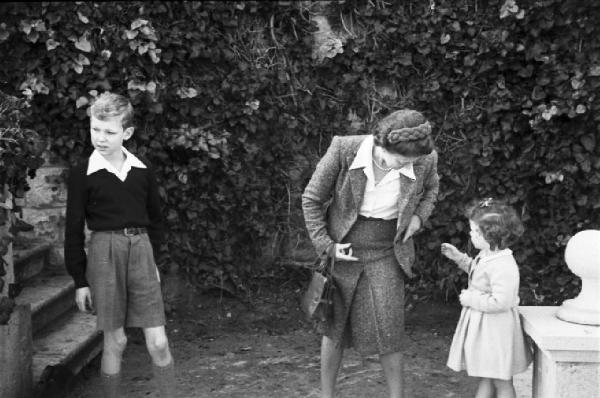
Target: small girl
x=488 y=342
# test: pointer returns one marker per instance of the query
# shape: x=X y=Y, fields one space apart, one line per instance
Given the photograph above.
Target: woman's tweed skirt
x=369 y=300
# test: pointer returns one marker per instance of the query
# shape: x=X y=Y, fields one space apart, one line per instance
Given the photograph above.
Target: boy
x=117 y=195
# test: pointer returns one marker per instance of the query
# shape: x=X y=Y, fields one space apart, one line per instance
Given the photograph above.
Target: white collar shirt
x=379 y=200
x=98 y=162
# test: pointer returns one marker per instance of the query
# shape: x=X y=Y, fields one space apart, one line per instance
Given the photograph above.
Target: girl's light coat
x=489 y=341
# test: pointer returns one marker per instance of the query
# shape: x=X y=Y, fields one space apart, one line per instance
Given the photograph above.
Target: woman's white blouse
x=379 y=200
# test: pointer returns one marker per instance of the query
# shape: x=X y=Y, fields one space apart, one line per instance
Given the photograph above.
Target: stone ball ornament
x=582 y=255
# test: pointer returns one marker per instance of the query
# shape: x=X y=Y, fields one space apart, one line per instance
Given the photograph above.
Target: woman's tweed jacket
x=333 y=197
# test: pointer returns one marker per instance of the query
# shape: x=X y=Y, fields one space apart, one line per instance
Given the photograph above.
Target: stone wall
x=45 y=205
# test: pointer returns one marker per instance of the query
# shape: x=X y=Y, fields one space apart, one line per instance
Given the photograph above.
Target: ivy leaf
x=142 y=48
x=405 y=59
x=131 y=34
x=594 y=70
x=576 y=83
x=82 y=59
x=538 y=93
x=137 y=23
x=582 y=200
x=4 y=33
x=39 y=25
x=589 y=142
x=77 y=67
x=51 y=44
x=82 y=17
x=81 y=101
x=151 y=87
x=469 y=60
x=83 y=44
x=25 y=26
x=445 y=38
x=187 y=92
x=33 y=36
x=156 y=108
x=154 y=55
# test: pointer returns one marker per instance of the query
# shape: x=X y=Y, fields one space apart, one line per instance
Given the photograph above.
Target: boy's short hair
x=108 y=105
x=406 y=132
x=499 y=222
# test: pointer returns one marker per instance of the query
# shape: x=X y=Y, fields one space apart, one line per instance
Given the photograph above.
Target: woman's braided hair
x=405 y=132
x=499 y=223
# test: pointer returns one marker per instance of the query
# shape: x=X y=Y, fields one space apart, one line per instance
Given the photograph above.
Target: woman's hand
x=451 y=252
x=413 y=226
x=343 y=251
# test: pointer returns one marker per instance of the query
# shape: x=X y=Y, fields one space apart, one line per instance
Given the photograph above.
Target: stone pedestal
x=582 y=255
x=567 y=355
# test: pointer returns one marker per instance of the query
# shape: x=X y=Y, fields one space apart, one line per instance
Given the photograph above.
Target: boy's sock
x=165 y=379
x=110 y=385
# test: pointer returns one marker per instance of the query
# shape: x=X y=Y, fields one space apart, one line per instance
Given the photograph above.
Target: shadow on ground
x=228 y=348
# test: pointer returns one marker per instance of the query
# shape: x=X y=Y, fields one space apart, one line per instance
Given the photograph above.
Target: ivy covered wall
x=236 y=101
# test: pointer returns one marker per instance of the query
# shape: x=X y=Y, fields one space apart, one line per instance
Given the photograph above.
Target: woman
x=368 y=195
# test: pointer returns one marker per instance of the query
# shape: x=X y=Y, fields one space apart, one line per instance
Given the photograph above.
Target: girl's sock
x=165 y=379
x=110 y=384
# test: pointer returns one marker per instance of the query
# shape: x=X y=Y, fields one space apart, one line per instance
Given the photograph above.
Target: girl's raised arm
x=461 y=259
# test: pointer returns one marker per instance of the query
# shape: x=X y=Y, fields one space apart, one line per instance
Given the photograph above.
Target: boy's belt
x=131 y=231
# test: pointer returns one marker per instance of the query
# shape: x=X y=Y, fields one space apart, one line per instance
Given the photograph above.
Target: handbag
x=317 y=302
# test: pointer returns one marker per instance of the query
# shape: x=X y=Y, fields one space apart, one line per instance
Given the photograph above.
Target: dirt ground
x=264 y=348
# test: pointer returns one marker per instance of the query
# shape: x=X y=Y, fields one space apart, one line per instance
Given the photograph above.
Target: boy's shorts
x=124 y=281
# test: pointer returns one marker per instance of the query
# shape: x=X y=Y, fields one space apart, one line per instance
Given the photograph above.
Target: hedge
x=234 y=112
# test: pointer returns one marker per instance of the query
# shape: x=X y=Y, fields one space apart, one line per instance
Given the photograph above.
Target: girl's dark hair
x=405 y=132
x=499 y=223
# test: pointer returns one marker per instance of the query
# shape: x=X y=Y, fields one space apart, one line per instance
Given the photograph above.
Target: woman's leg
x=393 y=368
x=163 y=366
x=485 y=389
x=331 y=358
x=504 y=388
x=112 y=354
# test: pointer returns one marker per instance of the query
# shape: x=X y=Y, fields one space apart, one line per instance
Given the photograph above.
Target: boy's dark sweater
x=106 y=203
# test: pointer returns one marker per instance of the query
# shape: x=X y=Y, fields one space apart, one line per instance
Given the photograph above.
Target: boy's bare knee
x=115 y=341
x=157 y=344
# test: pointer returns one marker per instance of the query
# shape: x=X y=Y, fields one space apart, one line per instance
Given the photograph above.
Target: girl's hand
x=464 y=297
x=343 y=251
x=450 y=251
x=413 y=226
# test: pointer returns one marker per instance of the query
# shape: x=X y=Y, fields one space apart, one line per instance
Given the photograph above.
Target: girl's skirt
x=490 y=345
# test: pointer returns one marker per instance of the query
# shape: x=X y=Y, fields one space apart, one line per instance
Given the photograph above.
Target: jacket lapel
x=358 y=180
x=407 y=186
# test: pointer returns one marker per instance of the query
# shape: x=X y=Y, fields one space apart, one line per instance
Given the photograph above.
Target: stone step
x=30 y=258
x=71 y=342
x=49 y=296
